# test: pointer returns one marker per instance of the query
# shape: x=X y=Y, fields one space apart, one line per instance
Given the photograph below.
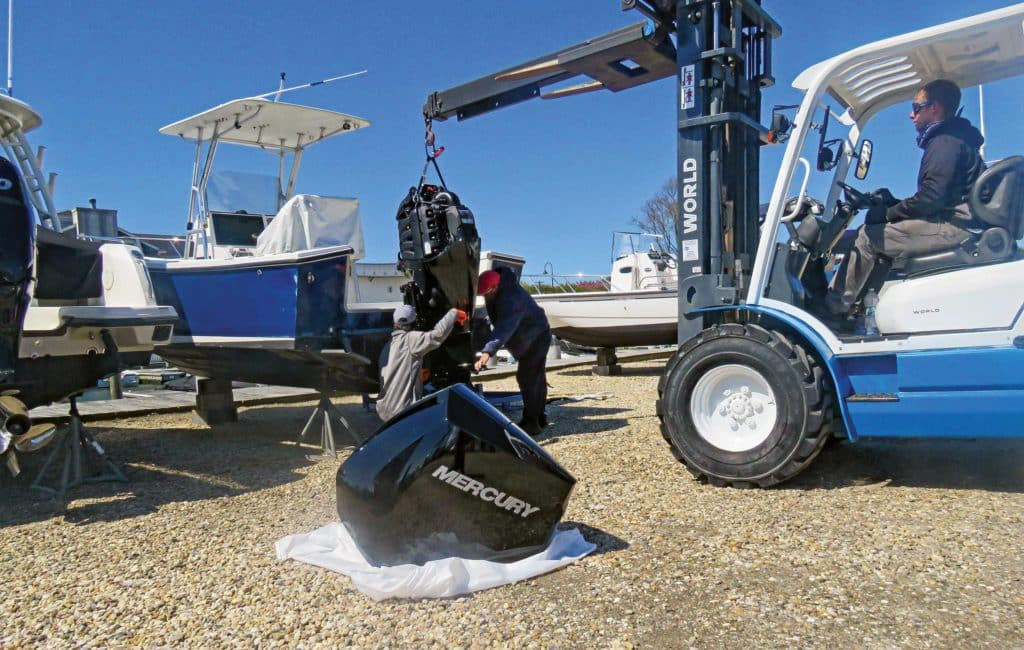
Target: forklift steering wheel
x=855 y=197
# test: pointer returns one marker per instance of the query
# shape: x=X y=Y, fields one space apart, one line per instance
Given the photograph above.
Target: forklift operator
x=935 y=218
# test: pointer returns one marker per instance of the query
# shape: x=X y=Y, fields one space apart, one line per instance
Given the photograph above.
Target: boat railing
x=569 y=283
x=654 y=282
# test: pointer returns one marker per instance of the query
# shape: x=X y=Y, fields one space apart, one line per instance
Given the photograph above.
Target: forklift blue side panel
x=966 y=393
x=972 y=393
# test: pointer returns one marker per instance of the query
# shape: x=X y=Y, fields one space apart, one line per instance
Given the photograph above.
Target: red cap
x=488 y=280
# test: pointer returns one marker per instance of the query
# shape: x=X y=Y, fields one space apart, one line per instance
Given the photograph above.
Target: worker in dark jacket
x=519 y=325
x=936 y=217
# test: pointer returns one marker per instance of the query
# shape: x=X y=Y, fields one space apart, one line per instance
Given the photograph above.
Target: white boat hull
x=612 y=319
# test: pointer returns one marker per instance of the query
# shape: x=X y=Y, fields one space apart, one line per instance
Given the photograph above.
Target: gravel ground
x=875 y=545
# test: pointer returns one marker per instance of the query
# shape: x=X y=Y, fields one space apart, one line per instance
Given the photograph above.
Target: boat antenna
x=277 y=93
x=280 y=87
x=10 y=48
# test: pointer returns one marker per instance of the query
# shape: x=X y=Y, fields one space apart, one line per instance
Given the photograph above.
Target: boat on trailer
x=635 y=306
x=264 y=297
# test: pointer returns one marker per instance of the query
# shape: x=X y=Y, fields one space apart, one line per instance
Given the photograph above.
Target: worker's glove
x=875 y=215
x=884 y=196
x=460 y=316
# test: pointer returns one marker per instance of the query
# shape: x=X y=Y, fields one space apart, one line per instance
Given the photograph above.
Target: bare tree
x=658 y=216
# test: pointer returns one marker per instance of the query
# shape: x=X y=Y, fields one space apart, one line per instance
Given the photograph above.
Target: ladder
x=39 y=190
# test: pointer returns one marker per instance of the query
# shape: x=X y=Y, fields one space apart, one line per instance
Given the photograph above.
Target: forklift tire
x=744 y=406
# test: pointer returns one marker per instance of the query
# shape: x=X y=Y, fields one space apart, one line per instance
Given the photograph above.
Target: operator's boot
x=833 y=313
x=837 y=304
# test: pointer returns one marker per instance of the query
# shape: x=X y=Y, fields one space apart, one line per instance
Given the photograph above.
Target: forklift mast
x=724 y=59
x=721 y=57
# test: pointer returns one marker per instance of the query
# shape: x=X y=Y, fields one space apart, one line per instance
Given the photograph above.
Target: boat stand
x=77 y=441
x=326 y=410
x=607 y=363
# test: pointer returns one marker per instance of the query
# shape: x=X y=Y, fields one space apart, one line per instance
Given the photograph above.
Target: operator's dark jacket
x=950 y=165
x=517 y=320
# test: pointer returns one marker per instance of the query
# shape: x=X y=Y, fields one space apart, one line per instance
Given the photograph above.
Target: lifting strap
x=433 y=153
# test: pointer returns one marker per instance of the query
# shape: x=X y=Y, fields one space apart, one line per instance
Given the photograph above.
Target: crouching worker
x=401 y=379
x=520 y=325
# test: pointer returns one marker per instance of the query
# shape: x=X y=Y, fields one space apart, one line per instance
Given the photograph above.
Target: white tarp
x=308 y=221
x=332 y=547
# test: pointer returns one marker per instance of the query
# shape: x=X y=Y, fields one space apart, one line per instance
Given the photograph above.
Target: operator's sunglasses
x=917 y=106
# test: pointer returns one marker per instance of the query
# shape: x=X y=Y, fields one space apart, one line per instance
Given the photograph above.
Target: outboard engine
x=440 y=248
x=451 y=477
x=17 y=246
x=16 y=256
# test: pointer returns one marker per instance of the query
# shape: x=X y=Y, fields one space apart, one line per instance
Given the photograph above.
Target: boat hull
x=333 y=371
x=275 y=319
x=613 y=319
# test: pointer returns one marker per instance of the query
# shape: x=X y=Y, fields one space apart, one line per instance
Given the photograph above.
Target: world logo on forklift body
x=690 y=204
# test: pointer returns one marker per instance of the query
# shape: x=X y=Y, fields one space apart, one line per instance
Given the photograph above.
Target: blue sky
x=548 y=180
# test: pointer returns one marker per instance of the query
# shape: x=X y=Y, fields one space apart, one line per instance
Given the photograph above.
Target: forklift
x=760 y=382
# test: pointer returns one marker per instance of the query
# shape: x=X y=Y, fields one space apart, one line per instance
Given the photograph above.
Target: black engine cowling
x=451 y=477
x=16 y=253
x=440 y=248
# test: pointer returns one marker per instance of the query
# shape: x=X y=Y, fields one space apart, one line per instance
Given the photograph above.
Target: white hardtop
x=23 y=116
x=972 y=51
x=265 y=123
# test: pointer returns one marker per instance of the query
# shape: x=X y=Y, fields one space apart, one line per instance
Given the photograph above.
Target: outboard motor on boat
x=440 y=248
x=451 y=477
x=16 y=256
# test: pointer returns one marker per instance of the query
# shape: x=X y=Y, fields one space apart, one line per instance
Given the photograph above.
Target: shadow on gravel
x=180 y=464
x=605 y=542
x=573 y=420
x=993 y=465
x=627 y=371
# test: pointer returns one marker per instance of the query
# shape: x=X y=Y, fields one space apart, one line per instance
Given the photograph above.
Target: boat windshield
x=629 y=243
x=232 y=191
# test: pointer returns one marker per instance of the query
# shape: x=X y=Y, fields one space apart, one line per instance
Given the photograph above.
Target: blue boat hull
x=278 y=320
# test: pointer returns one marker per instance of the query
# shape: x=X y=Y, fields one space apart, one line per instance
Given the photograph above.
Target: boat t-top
x=261 y=293
x=254 y=122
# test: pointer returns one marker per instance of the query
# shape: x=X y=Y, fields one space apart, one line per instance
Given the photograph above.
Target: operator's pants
x=895 y=242
x=531 y=377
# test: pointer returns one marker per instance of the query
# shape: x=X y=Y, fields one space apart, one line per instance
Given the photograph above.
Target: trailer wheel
x=742 y=405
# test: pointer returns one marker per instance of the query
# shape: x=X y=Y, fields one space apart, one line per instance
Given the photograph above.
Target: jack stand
x=77 y=439
x=326 y=410
x=607 y=362
x=215 y=402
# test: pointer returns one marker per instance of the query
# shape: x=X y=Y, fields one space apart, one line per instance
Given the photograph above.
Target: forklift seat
x=997 y=200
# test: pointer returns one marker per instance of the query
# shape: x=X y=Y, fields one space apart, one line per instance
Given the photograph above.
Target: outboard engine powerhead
x=451 y=477
x=440 y=248
x=17 y=246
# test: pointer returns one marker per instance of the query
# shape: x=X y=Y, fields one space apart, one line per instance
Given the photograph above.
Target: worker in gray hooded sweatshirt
x=401 y=382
